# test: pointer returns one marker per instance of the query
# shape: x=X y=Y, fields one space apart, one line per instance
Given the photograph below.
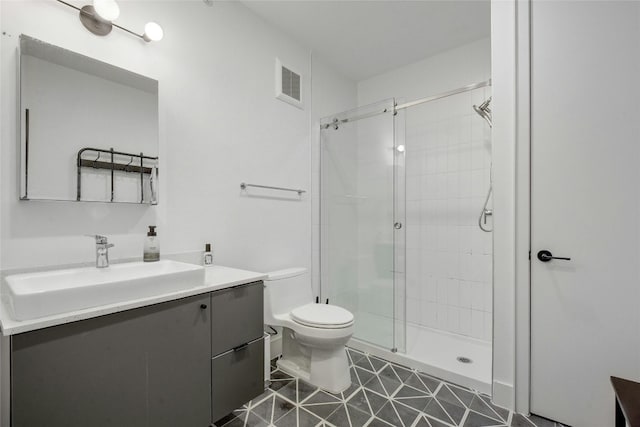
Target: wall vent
x=288 y=85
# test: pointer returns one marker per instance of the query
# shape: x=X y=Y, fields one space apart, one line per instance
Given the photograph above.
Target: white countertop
x=216 y=278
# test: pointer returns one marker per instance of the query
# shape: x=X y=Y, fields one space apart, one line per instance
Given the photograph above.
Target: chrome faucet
x=102 y=251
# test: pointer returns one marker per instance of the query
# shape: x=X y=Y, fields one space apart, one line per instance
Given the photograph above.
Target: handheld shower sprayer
x=484 y=111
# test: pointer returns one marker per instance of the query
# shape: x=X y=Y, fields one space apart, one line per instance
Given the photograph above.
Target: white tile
x=477 y=296
x=413 y=310
x=443 y=292
x=488 y=296
x=453 y=319
x=430 y=290
x=465 y=239
x=465 y=321
x=465 y=265
x=477 y=324
x=442 y=316
x=488 y=327
x=453 y=190
x=466 y=295
x=464 y=183
x=453 y=158
x=429 y=314
x=453 y=292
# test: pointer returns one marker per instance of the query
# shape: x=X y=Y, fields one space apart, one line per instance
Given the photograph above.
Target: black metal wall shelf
x=114 y=166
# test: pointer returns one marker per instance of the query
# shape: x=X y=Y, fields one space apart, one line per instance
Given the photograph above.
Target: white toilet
x=314 y=335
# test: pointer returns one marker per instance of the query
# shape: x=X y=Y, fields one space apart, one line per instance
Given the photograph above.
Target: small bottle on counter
x=151 y=246
x=208 y=255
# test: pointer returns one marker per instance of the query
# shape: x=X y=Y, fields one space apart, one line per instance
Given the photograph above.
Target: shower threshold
x=438 y=354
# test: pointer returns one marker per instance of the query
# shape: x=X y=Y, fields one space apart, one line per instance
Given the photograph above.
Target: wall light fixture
x=98 y=18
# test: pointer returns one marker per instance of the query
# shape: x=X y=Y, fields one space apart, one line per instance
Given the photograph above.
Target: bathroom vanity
x=187 y=359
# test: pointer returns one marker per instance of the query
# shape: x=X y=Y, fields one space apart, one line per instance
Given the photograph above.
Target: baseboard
x=503 y=395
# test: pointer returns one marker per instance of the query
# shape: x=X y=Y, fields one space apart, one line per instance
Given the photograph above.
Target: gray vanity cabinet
x=143 y=367
x=185 y=363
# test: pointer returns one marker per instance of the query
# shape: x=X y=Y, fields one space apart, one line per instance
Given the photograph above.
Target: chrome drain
x=463 y=359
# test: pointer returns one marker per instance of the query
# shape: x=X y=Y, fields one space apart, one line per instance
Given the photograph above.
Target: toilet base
x=325 y=368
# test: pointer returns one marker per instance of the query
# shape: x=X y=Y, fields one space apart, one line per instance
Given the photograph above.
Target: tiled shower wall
x=449 y=259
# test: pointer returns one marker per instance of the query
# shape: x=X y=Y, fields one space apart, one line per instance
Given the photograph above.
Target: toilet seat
x=323 y=316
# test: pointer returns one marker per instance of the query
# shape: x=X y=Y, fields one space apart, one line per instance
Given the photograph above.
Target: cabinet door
x=148 y=366
x=237 y=376
x=236 y=316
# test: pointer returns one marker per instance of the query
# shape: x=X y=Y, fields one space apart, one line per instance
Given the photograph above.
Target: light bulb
x=107 y=9
x=152 y=32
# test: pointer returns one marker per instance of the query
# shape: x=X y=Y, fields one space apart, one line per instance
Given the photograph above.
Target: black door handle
x=546 y=256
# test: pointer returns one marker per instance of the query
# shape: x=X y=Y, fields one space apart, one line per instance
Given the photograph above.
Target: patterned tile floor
x=382 y=394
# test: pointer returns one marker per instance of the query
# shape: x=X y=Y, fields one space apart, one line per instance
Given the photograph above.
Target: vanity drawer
x=237 y=376
x=236 y=316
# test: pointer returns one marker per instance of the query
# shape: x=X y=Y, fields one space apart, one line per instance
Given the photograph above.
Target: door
x=361 y=223
x=585 y=152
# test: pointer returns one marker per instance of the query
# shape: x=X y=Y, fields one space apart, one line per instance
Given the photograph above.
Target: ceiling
x=366 y=38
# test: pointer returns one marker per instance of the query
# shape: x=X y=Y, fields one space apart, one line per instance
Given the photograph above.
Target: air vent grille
x=290 y=83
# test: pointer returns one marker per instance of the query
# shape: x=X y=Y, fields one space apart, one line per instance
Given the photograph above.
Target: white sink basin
x=34 y=295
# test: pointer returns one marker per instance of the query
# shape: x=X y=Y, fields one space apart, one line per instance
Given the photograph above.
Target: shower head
x=484 y=111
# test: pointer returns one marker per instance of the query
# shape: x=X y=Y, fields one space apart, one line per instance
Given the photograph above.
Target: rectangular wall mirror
x=88 y=129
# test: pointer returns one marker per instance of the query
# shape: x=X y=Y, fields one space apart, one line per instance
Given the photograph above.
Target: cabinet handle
x=241 y=347
x=203 y=306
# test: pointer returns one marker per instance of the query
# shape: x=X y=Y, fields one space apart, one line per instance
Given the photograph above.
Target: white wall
x=448 y=157
x=220 y=125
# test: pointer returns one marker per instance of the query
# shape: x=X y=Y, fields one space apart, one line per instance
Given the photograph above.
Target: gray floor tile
x=280 y=408
x=377 y=363
x=407 y=415
x=437 y=411
x=446 y=395
x=377 y=422
x=455 y=412
x=382 y=394
x=480 y=406
x=430 y=382
x=402 y=372
x=519 y=420
x=323 y=410
x=375 y=401
x=504 y=413
x=307 y=419
x=388 y=414
x=365 y=364
x=364 y=376
x=357 y=417
x=415 y=382
x=478 y=420
x=305 y=390
x=359 y=401
x=417 y=403
x=464 y=395
x=408 y=391
x=321 y=397
x=255 y=421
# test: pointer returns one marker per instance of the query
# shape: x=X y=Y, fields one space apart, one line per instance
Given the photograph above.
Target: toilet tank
x=286 y=290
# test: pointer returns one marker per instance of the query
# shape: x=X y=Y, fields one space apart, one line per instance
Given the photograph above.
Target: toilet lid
x=322 y=316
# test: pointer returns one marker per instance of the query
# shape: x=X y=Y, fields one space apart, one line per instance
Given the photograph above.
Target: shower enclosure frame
x=392 y=354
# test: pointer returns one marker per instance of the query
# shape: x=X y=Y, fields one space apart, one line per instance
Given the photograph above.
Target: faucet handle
x=100 y=240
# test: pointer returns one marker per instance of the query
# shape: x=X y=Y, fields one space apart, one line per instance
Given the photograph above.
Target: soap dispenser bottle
x=151 y=246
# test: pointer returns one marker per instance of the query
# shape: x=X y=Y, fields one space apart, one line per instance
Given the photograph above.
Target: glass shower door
x=359 y=223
